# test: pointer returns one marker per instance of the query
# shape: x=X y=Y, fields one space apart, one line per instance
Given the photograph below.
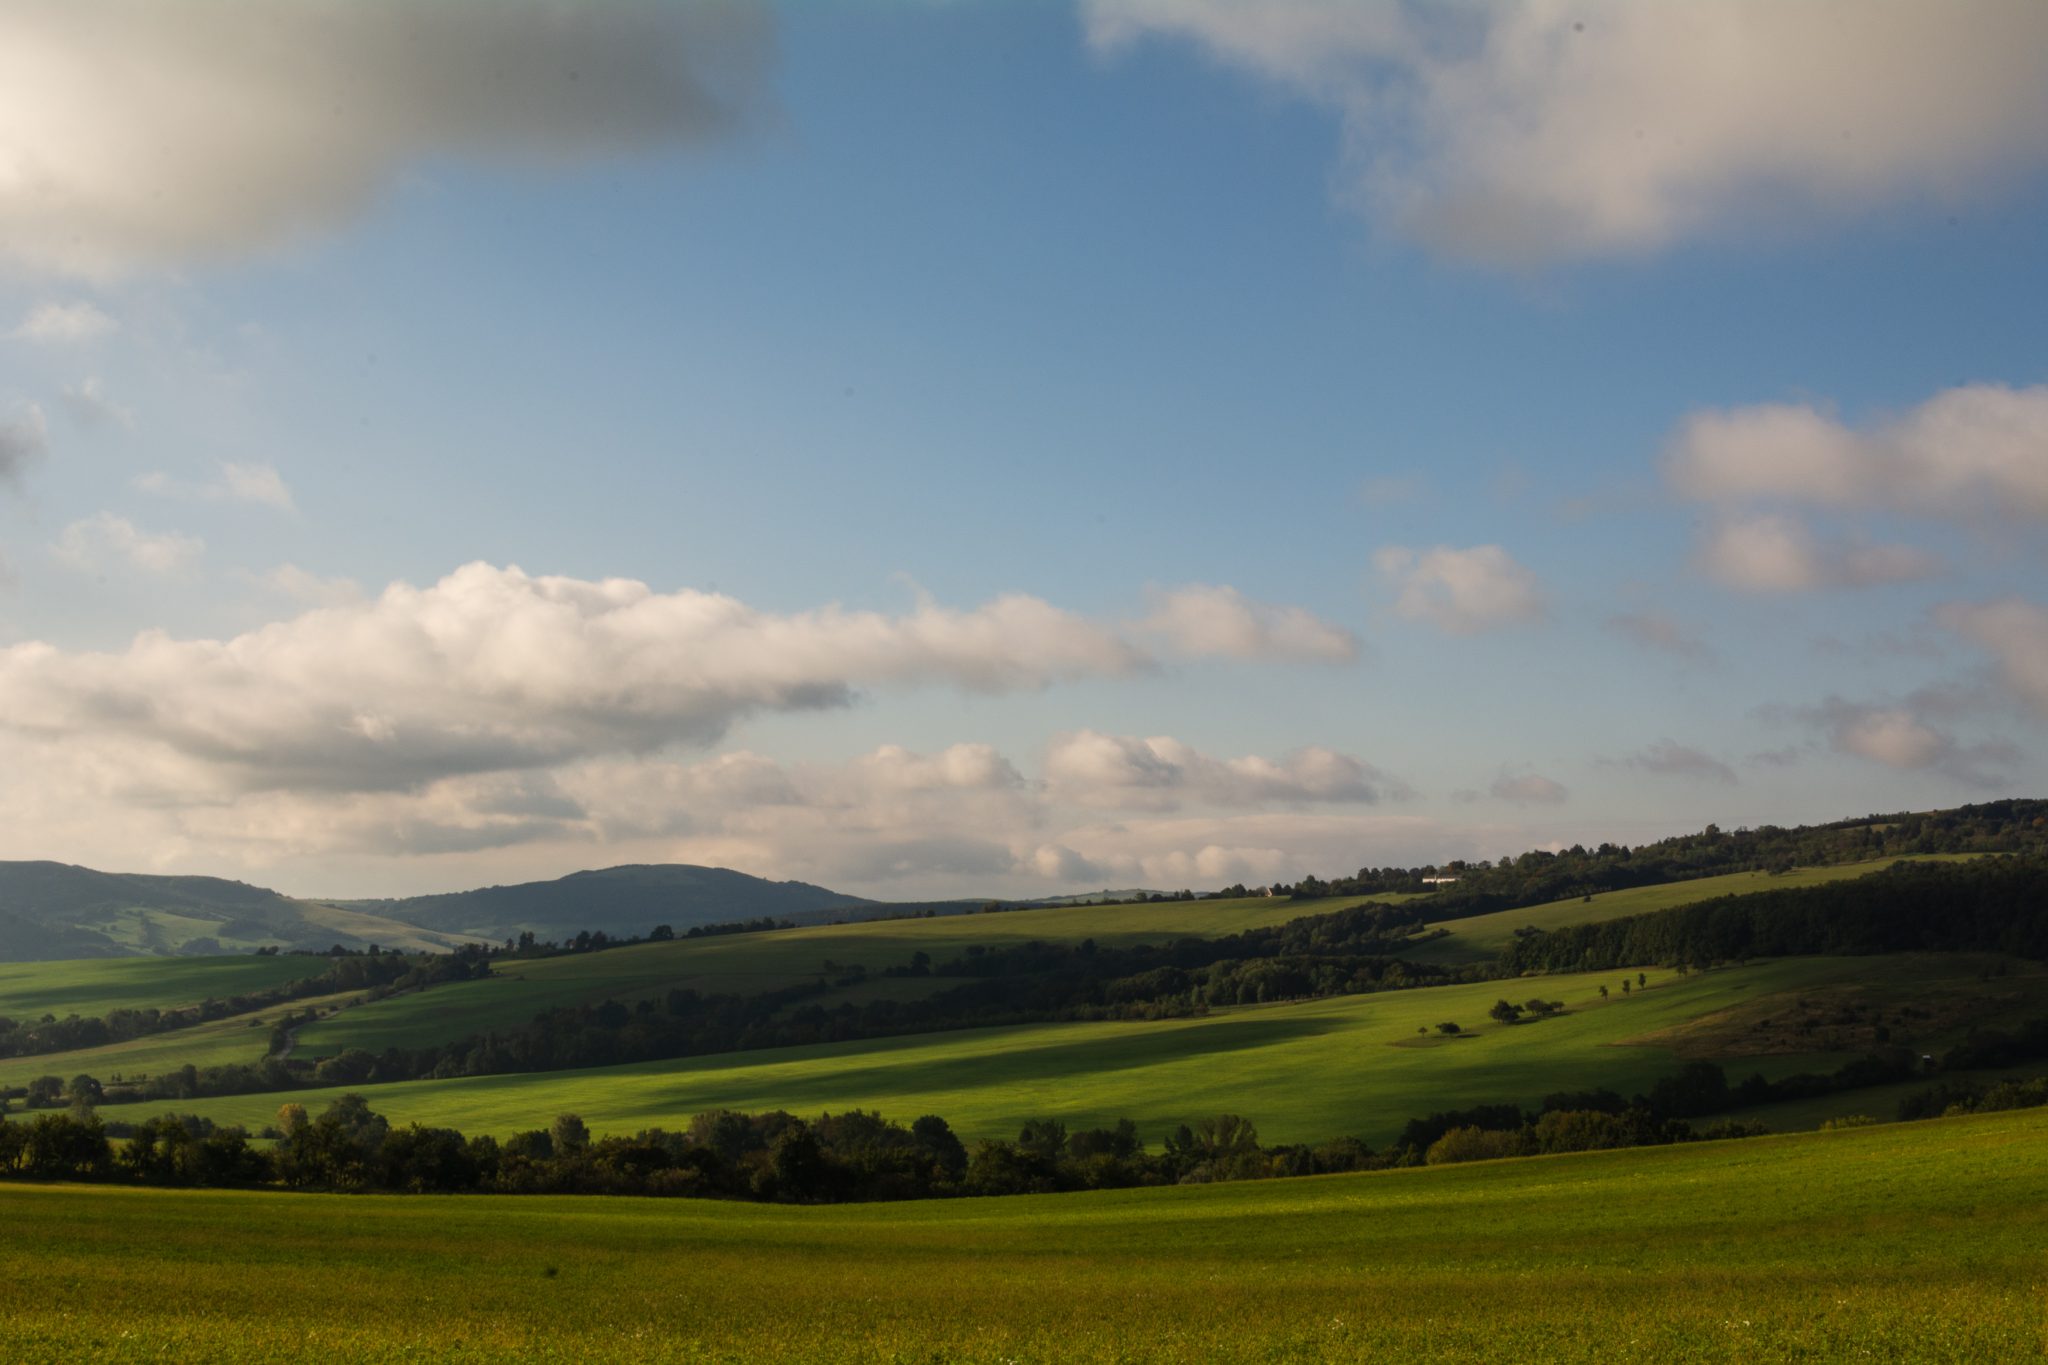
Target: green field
x=95 y=986
x=1304 y=1072
x=238 y=1039
x=743 y=964
x=1917 y=1242
x=1480 y=938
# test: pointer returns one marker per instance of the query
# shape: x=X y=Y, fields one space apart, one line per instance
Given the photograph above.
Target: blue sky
x=1047 y=447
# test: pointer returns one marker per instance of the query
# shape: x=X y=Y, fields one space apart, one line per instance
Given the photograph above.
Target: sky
x=959 y=449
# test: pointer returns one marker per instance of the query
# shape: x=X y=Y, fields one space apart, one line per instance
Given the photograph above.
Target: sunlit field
x=1353 y=1065
x=1916 y=1242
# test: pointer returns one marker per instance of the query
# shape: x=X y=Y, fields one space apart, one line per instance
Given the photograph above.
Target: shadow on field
x=974 y=1070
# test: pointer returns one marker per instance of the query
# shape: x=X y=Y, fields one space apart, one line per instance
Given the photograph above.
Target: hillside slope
x=52 y=910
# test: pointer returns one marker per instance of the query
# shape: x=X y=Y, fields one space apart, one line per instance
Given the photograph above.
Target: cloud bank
x=1515 y=134
x=135 y=134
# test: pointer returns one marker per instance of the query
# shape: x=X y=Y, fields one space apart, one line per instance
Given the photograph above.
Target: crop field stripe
x=1917 y=1242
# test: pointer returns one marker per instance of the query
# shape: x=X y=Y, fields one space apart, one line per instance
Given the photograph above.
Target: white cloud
x=23 y=439
x=1776 y=553
x=137 y=134
x=64 y=324
x=1668 y=758
x=1977 y=450
x=89 y=406
x=1205 y=620
x=492 y=669
x=98 y=541
x=251 y=482
x=1528 y=789
x=2015 y=633
x=1519 y=133
x=1901 y=737
x=1462 y=592
x=1161 y=773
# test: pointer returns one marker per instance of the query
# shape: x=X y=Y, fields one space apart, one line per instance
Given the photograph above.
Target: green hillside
x=96 y=986
x=1916 y=1242
x=54 y=911
x=743 y=964
x=1350 y=1065
x=1481 y=937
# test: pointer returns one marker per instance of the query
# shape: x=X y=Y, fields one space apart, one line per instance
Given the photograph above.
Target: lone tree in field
x=1447 y=1028
x=1624 y=985
x=1504 y=1011
x=569 y=1134
x=1641 y=979
x=1603 y=992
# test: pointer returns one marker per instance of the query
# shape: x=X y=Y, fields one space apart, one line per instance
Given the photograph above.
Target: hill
x=1898 y=1242
x=54 y=910
x=1304 y=1072
x=629 y=901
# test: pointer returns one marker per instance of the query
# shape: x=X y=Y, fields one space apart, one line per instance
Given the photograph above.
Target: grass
x=241 y=1038
x=743 y=964
x=1303 y=1072
x=1917 y=1243
x=96 y=986
x=1480 y=938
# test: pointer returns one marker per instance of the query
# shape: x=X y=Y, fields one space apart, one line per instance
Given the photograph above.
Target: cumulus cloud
x=893 y=821
x=1461 y=592
x=1655 y=630
x=1204 y=620
x=1161 y=773
x=492 y=669
x=1900 y=736
x=234 y=482
x=64 y=324
x=1668 y=758
x=1520 y=133
x=24 y=437
x=2015 y=633
x=1769 y=552
x=104 y=540
x=1981 y=449
x=138 y=134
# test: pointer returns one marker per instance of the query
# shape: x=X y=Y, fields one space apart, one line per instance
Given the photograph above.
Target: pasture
x=1481 y=938
x=1917 y=1242
x=745 y=964
x=1352 y=1065
x=96 y=986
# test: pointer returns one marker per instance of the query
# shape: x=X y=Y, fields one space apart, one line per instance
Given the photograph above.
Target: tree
x=1603 y=992
x=1447 y=1028
x=1505 y=1012
x=290 y=1118
x=569 y=1134
x=1642 y=980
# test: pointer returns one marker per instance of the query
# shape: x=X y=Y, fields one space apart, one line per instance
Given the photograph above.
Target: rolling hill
x=54 y=910
x=51 y=911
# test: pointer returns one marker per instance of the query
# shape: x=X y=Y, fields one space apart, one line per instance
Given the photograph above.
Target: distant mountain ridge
x=52 y=910
x=629 y=900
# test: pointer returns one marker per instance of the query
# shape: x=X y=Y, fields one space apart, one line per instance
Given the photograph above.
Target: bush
x=1476 y=1144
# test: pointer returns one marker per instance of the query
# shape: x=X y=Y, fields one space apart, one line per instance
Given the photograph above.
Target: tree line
x=380 y=972
x=1993 y=904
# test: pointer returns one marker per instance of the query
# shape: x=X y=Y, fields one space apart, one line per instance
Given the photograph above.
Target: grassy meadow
x=744 y=964
x=96 y=986
x=238 y=1039
x=1304 y=1072
x=1919 y=1242
x=1481 y=938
